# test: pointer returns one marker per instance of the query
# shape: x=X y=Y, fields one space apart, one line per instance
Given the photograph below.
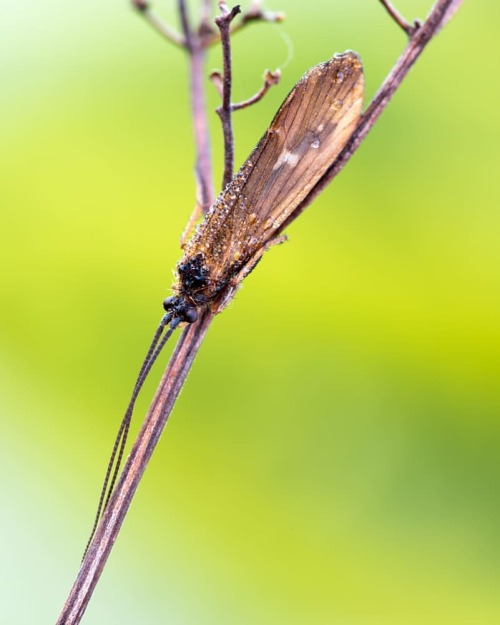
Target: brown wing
x=308 y=132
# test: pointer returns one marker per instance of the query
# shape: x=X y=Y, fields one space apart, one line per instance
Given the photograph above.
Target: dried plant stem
x=197 y=51
x=270 y=79
x=149 y=435
x=158 y=24
x=399 y=19
x=441 y=12
x=193 y=335
x=253 y=15
x=196 y=42
x=205 y=190
x=224 y=111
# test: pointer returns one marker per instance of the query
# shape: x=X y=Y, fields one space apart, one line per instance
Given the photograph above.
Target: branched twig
x=223 y=22
x=193 y=334
x=114 y=514
x=158 y=24
x=441 y=12
x=206 y=29
x=218 y=80
x=203 y=167
x=186 y=29
x=399 y=19
x=254 y=14
x=195 y=42
x=270 y=79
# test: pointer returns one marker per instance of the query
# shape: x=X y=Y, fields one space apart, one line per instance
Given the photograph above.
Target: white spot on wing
x=286 y=158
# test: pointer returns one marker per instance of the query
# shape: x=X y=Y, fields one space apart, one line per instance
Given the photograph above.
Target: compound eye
x=168 y=303
x=191 y=315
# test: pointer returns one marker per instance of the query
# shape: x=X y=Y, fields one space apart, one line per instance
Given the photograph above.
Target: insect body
x=307 y=134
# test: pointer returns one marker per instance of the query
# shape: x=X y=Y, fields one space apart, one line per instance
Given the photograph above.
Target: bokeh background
x=333 y=458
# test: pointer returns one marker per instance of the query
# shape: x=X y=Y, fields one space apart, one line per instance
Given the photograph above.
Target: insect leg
x=188 y=230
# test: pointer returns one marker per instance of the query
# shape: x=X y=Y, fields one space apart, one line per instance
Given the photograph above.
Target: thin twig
x=158 y=24
x=203 y=165
x=218 y=81
x=193 y=43
x=151 y=430
x=192 y=337
x=223 y=21
x=206 y=29
x=439 y=15
x=399 y=19
x=253 y=15
x=205 y=11
x=186 y=29
x=256 y=14
x=270 y=79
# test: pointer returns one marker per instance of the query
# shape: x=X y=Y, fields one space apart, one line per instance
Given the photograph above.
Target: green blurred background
x=333 y=459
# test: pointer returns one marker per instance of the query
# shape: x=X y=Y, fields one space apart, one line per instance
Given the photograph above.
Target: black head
x=180 y=309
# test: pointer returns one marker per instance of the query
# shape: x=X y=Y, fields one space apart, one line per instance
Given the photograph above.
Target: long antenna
x=115 y=460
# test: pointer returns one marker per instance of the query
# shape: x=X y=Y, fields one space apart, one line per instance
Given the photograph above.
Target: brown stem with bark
x=270 y=80
x=203 y=167
x=159 y=25
x=441 y=12
x=399 y=19
x=253 y=15
x=149 y=435
x=224 y=111
x=192 y=336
